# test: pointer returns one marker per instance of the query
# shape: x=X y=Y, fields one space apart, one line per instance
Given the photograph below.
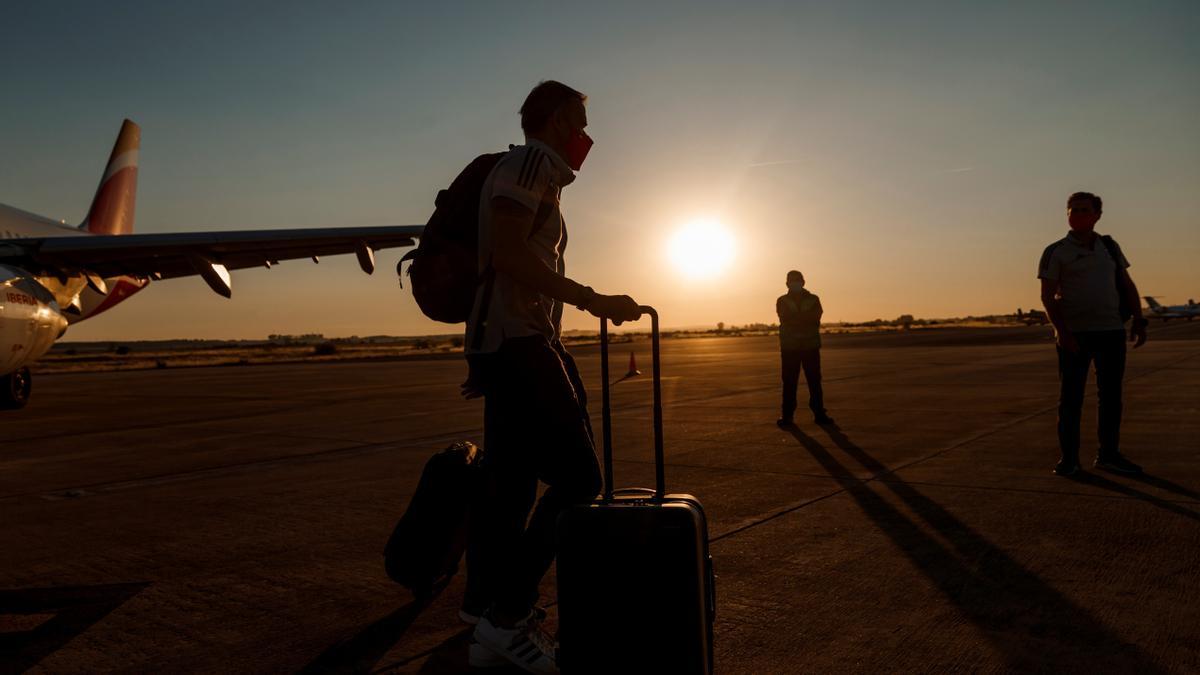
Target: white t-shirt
x=532 y=175
x=1087 y=282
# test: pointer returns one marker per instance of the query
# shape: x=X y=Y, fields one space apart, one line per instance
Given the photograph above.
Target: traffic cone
x=633 y=369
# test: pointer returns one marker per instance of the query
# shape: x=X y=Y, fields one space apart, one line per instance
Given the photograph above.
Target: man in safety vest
x=800 y=347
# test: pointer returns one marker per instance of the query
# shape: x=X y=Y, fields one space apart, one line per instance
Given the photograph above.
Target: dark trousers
x=810 y=361
x=536 y=428
x=1107 y=350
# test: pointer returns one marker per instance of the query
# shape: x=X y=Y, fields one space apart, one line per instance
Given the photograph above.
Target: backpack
x=445 y=264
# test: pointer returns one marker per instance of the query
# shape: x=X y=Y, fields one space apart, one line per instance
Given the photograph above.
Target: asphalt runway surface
x=231 y=519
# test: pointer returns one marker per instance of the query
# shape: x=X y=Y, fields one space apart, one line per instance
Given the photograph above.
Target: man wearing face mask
x=1086 y=287
x=800 y=347
x=536 y=424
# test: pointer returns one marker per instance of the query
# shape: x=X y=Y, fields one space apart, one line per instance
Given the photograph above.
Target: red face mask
x=577 y=150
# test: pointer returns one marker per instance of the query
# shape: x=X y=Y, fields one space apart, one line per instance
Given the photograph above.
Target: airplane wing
x=208 y=254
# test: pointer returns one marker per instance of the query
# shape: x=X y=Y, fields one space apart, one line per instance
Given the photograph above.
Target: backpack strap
x=488 y=279
x=1110 y=245
x=1123 y=309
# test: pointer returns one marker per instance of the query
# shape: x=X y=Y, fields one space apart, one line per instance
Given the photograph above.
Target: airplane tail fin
x=1151 y=302
x=113 y=206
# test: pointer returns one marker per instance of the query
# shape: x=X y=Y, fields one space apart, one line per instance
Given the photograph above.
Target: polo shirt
x=532 y=175
x=1087 y=286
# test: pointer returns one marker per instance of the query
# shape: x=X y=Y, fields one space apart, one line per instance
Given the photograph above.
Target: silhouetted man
x=1084 y=277
x=536 y=424
x=800 y=347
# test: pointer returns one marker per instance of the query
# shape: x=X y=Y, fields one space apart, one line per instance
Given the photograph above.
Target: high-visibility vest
x=799 y=320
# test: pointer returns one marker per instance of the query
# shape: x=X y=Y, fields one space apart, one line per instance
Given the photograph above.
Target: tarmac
x=231 y=519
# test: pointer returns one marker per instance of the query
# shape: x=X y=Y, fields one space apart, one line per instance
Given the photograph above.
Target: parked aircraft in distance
x=1032 y=317
x=1167 y=312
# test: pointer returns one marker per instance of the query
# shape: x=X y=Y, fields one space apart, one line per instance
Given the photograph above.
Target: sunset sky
x=909 y=158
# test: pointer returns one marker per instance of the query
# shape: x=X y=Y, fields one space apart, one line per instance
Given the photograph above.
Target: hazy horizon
x=909 y=159
x=643 y=328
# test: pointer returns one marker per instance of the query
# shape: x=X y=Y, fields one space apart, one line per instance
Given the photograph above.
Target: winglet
x=113 y=206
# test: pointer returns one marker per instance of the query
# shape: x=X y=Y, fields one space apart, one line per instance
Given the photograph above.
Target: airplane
x=1033 y=316
x=1167 y=312
x=53 y=275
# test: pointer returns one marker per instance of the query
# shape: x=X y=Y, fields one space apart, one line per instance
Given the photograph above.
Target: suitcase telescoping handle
x=606 y=412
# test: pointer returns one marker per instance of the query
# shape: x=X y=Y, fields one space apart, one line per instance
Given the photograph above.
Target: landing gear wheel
x=15 y=388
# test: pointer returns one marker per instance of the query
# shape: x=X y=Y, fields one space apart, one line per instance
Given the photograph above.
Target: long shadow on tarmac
x=1099 y=481
x=58 y=616
x=360 y=653
x=1031 y=625
x=1164 y=484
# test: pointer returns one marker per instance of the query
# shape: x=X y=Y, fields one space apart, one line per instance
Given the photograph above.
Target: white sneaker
x=524 y=645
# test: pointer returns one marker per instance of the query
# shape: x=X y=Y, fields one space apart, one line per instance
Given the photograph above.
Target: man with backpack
x=536 y=425
x=800 y=347
x=1089 y=296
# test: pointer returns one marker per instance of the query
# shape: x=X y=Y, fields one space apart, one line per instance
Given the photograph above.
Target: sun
x=702 y=249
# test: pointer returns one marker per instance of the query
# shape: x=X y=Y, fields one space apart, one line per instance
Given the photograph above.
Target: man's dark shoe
x=785 y=423
x=1117 y=463
x=823 y=419
x=1066 y=467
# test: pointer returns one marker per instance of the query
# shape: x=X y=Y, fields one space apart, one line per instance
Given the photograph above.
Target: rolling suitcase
x=636 y=590
x=426 y=546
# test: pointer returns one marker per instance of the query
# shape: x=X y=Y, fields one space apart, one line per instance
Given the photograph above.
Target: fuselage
x=31 y=317
x=1178 y=309
x=18 y=224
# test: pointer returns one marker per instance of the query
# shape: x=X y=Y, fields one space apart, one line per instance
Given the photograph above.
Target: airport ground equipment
x=636 y=588
x=427 y=544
